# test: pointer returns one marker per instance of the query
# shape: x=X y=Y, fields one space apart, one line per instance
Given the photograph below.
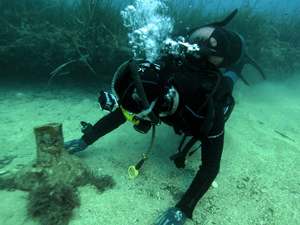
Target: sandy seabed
x=258 y=183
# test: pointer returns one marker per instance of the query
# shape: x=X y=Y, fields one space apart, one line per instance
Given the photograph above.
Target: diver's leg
x=211 y=152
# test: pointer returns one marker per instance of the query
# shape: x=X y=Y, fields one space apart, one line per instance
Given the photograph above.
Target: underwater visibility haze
x=55 y=57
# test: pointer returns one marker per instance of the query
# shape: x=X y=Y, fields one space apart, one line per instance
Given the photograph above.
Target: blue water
x=287 y=5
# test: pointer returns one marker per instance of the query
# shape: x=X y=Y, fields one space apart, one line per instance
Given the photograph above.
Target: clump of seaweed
x=7 y=184
x=52 y=205
x=52 y=178
x=102 y=183
x=53 y=189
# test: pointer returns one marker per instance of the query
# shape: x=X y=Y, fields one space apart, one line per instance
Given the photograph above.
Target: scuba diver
x=184 y=89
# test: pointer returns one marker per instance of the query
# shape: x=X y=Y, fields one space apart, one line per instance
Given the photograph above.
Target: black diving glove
x=76 y=145
x=172 y=216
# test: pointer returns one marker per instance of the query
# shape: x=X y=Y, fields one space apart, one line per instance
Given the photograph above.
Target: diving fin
x=225 y=21
x=251 y=73
x=215 y=24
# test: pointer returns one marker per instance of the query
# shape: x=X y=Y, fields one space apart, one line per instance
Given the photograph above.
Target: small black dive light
x=143 y=127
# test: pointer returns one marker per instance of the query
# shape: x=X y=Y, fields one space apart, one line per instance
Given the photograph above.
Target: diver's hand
x=76 y=145
x=172 y=216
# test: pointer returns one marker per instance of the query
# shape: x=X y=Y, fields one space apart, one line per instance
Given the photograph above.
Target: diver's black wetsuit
x=205 y=102
x=211 y=148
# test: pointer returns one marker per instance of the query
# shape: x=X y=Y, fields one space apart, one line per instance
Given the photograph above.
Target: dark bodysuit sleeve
x=105 y=125
x=211 y=152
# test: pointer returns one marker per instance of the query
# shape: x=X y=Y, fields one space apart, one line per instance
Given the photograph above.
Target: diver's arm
x=93 y=133
x=229 y=79
x=105 y=125
x=232 y=73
